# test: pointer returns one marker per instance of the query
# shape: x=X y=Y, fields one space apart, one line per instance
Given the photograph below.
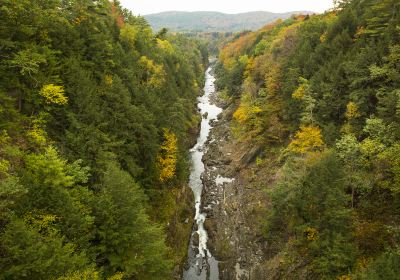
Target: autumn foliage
x=307 y=139
x=322 y=93
x=168 y=156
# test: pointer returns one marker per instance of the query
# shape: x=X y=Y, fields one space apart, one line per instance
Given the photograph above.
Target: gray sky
x=144 y=7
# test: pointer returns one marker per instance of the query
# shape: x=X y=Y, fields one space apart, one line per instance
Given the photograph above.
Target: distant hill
x=215 y=21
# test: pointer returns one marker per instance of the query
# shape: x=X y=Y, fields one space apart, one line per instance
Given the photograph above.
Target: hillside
x=95 y=121
x=310 y=139
x=215 y=21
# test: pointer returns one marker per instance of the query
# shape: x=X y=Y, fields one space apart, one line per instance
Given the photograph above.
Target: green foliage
x=86 y=91
x=309 y=206
x=27 y=62
x=328 y=81
x=10 y=191
x=28 y=254
x=127 y=241
x=385 y=266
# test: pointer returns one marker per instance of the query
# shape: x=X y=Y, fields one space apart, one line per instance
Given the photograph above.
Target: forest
x=320 y=95
x=96 y=111
x=98 y=114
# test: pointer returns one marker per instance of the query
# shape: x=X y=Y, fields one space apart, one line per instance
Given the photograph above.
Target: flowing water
x=201 y=264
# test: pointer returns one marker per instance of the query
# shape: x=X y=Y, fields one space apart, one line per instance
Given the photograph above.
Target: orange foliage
x=300 y=17
x=238 y=47
x=119 y=19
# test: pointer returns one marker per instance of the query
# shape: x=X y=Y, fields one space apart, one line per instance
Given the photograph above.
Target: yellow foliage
x=88 y=274
x=371 y=148
x=42 y=222
x=240 y=114
x=363 y=262
x=309 y=138
x=168 y=156
x=272 y=80
x=244 y=59
x=54 y=94
x=146 y=62
x=360 y=32
x=108 y=80
x=195 y=85
x=117 y=276
x=79 y=20
x=344 y=277
x=322 y=38
x=249 y=67
x=158 y=79
x=259 y=161
x=311 y=234
x=249 y=117
x=229 y=64
x=256 y=109
x=165 y=46
x=300 y=92
x=245 y=112
x=352 y=111
x=155 y=73
x=4 y=167
x=4 y=138
x=129 y=35
x=37 y=133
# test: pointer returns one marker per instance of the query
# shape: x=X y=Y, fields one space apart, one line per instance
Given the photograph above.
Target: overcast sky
x=144 y=7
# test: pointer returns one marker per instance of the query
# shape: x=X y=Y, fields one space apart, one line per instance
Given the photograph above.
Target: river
x=201 y=264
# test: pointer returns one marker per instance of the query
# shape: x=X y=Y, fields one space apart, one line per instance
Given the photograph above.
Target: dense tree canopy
x=91 y=101
x=324 y=91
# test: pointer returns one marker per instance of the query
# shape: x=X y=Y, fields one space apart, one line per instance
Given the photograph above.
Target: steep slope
x=311 y=136
x=96 y=119
x=214 y=21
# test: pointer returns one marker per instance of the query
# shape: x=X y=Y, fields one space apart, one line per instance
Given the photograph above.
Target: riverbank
x=201 y=264
x=234 y=200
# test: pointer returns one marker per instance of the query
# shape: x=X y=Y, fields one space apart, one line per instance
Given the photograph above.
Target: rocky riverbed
x=233 y=201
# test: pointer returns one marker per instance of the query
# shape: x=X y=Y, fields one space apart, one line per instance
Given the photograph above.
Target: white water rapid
x=201 y=264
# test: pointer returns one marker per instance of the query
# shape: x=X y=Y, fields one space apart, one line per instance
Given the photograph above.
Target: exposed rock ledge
x=232 y=201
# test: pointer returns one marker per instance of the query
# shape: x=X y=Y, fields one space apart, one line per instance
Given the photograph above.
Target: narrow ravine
x=201 y=264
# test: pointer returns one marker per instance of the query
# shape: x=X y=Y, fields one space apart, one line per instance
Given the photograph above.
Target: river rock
x=195 y=239
x=210 y=226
